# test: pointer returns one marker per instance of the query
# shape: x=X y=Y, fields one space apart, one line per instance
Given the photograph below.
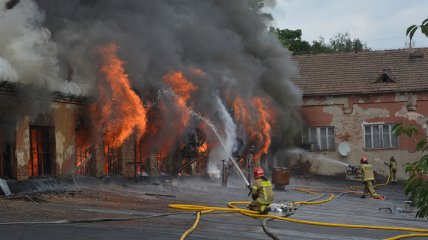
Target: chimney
x=416 y=54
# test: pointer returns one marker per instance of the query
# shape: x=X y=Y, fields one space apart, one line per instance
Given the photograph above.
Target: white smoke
x=219 y=153
x=7 y=73
x=27 y=48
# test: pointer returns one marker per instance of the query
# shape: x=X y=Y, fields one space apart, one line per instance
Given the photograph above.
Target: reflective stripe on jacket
x=262 y=191
x=367 y=172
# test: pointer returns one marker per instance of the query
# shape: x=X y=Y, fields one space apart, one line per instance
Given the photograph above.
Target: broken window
x=42 y=157
x=379 y=136
x=319 y=138
x=112 y=161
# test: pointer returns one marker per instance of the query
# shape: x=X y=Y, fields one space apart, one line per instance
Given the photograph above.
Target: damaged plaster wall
x=64 y=120
x=22 y=148
x=349 y=114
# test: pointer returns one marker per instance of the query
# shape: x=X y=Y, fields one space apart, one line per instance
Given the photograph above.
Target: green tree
x=412 y=29
x=321 y=46
x=341 y=42
x=292 y=40
x=417 y=184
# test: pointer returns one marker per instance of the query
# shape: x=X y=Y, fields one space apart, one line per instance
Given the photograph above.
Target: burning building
x=136 y=88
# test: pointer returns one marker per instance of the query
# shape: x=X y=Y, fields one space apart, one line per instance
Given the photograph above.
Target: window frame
x=307 y=138
x=393 y=143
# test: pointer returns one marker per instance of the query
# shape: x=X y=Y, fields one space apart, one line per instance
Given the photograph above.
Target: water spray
x=214 y=129
x=170 y=92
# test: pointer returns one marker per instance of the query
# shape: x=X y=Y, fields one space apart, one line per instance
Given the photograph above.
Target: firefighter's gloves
x=251 y=190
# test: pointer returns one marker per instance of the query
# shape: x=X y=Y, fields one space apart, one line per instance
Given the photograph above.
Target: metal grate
x=42 y=157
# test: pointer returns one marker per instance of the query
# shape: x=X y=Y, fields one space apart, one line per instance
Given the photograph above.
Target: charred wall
x=37 y=127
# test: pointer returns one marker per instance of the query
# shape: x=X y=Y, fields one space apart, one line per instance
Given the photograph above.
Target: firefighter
x=261 y=192
x=392 y=170
x=367 y=176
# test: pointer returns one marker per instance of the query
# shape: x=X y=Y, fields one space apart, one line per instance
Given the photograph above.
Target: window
x=319 y=138
x=379 y=136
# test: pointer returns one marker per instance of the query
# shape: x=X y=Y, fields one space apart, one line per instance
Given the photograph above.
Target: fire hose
x=233 y=208
x=375 y=186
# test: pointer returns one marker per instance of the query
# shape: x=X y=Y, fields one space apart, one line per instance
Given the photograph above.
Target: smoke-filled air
x=156 y=69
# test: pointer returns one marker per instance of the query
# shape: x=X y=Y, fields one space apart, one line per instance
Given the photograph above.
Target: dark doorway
x=42 y=159
x=112 y=160
x=7 y=150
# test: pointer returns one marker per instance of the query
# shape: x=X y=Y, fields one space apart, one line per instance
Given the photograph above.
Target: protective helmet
x=258 y=172
x=363 y=160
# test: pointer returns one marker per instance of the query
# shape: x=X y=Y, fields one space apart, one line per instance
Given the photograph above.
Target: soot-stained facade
x=37 y=133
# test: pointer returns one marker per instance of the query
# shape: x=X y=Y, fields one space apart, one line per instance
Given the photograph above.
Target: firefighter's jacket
x=261 y=191
x=393 y=165
x=367 y=172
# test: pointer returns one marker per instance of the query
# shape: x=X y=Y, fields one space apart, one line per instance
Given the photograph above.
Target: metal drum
x=280 y=177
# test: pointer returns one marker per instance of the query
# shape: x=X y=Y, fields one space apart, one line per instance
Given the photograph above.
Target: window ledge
x=327 y=150
x=377 y=149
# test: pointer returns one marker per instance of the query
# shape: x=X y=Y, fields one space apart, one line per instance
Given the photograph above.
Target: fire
x=183 y=90
x=203 y=148
x=242 y=115
x=181 y=86
x=257 y=119
x=118 y=108
x=264 y=122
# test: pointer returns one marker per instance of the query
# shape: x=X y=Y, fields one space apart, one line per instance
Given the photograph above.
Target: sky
x=381 y=24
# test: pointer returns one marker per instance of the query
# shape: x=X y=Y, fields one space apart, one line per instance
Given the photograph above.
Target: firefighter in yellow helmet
x=261 y=192
x=367 y=175
x=392 y=170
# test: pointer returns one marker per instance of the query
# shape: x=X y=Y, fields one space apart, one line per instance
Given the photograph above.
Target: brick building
x=357 y=98
x=39 y=138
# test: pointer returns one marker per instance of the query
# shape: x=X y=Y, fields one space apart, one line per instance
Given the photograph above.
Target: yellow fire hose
x=386 y=183
x=374 y=186
x=233 y=208
x=408 y=236
x=191 y=229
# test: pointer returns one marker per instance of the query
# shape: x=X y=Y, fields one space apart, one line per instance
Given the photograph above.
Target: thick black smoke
x=225 y=39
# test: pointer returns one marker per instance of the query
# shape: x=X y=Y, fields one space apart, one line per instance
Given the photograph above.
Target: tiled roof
x=359 y=73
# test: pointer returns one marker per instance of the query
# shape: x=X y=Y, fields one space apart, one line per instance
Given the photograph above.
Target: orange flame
x=203 y=148
x=118 y=109
x=264 y=122
x=260 y=130
x=242 y=115
x=180 y=85
x=183 y=89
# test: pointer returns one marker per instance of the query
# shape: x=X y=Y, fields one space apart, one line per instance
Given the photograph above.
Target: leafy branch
x=417 y=184
x=412 y=29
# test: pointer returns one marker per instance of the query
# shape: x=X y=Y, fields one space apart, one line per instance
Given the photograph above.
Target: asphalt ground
x=137 y=200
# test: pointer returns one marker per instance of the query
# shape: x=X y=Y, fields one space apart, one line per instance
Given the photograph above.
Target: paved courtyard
x=90 y=208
